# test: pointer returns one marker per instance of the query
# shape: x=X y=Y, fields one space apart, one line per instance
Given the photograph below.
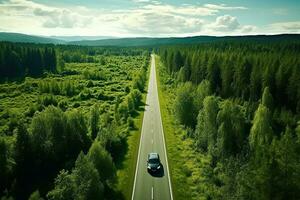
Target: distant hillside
x=142 y=41
x=80 y=38
x=185 y=40
x=145 y=41
x=18 y=37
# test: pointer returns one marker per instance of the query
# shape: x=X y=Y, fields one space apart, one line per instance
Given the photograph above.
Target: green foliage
x=82 y=183
x=130 y=123
x=94 y=75
x=35 y=196
x=267 y=99
x=17 y=60
x=287 y=161
x=136 y=96
x=66 y=88
x=184 y=105
x=246 y=131
x=202 y=91
x=102 y=161
x=47 y=100
x=261 y=132
x=39 y=140
x=206 y=129
x=231 y=133
x=130 y=104
x=95 y=121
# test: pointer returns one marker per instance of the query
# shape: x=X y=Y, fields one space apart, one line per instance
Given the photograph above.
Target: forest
x=236 y=107
x=65 y=115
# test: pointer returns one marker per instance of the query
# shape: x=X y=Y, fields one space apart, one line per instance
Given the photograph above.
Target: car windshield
x=153 y=161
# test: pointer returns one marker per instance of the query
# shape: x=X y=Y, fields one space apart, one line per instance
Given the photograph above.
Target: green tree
x=184 y=106
x=261 y=132
x=267 y=99
x=35 y=196
x=202 y=91
x=231 y=132
x=94 y=121
x=87 y=179
x=288 y=174
x=102 y=161
x=206 y=129
x=82 y=183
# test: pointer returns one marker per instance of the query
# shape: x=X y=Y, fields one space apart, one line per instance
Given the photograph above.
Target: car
x=153 y=162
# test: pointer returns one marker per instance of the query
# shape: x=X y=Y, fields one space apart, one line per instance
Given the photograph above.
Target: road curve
x=146 y=186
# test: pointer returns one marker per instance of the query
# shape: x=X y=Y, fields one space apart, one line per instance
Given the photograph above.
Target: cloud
x=63 y=18
x=160 y=23
x=229 y=24
x=147 y=18
x=51 y=17
x=226 y=23
x=280 y=11
x=286 y=26
x=224 y=7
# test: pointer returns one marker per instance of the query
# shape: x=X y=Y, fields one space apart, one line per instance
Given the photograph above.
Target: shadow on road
x=158 y=174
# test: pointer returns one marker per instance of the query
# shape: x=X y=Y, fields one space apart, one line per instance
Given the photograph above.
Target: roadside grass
x=185 y=164
x=126 y=173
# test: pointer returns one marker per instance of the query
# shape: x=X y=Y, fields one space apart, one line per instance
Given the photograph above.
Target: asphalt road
x=147 y=186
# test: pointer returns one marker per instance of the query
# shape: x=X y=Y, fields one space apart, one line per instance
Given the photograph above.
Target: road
x=147 y=186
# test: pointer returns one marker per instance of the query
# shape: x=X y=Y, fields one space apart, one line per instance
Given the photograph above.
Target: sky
x=149 y=18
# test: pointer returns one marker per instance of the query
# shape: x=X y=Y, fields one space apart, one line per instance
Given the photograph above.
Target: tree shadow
x=118 y=151
x=110 y=193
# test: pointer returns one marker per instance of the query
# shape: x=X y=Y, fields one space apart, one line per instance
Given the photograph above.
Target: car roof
x=153 y=156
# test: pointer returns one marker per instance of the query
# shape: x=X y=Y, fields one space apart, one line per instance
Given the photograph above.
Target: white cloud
x=224 y=7
x=228 y=25
x=148 y=18
x=248 y=29
x=286 y=27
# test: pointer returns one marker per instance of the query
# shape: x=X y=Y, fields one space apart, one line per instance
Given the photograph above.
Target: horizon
x=104 y=37
x=149 y=18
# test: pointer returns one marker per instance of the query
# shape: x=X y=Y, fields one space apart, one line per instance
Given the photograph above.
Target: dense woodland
x=21 y=61
x=240 y=104
x=65 y=114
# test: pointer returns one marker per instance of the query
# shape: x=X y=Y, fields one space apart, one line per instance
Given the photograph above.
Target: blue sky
x=155 y=18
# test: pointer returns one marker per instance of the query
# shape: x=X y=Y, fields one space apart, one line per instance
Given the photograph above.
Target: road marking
x=152 y=193
x=162 y=129
x=138 y=159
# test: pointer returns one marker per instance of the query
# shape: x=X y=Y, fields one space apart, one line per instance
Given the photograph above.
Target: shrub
x=130 y=123
x=47 y=100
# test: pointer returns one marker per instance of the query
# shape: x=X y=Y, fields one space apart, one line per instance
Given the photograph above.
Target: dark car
x=153 y=162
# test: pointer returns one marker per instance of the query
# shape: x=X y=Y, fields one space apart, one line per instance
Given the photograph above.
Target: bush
x=63 y=105
x=130 y=123
x=123 y=111
x=47 y=100
x=136 y=95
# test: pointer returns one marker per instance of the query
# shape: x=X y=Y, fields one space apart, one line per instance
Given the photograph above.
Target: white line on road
x=138 y=158
x=152 y=194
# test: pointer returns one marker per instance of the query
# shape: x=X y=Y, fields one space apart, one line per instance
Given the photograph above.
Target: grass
x=184 y=162
x=126 y=173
